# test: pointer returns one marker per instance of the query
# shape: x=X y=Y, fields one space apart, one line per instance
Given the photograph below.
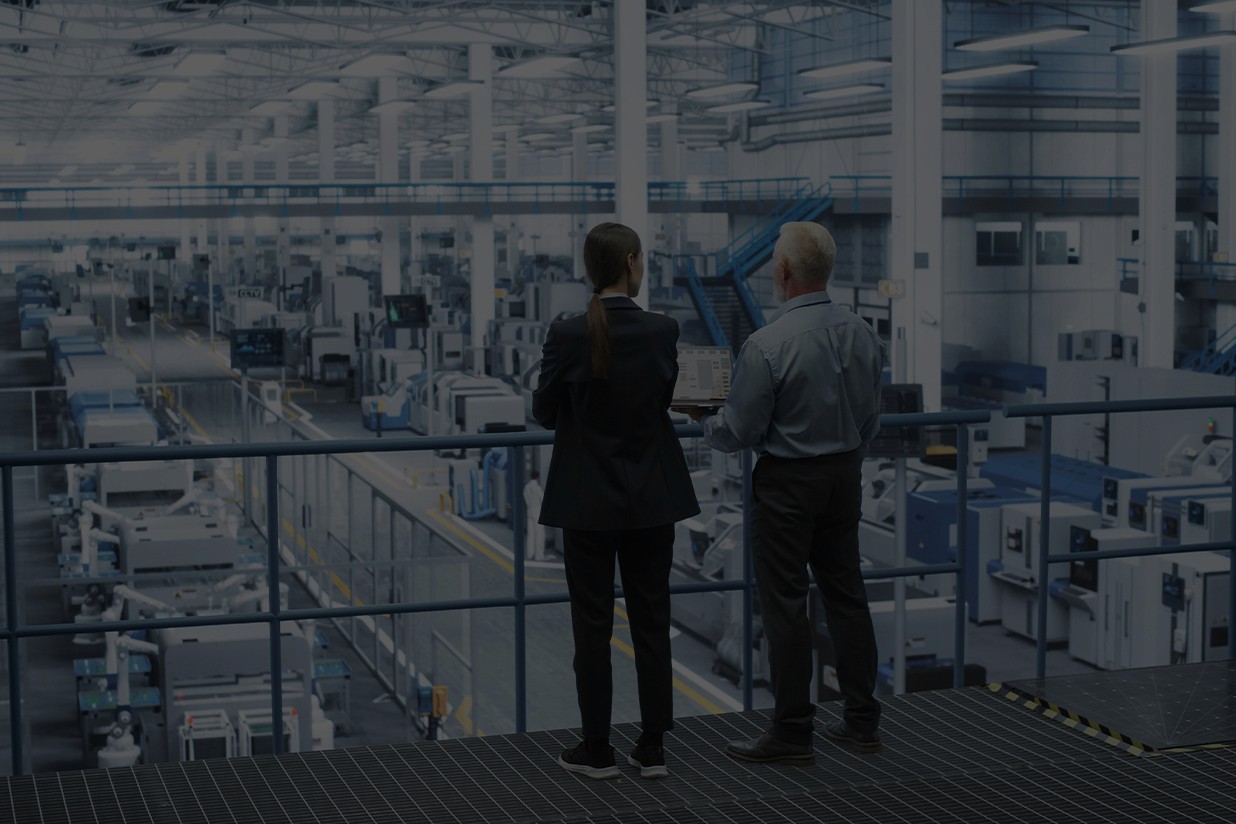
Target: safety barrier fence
x=960 y=187
x=14 y=630
x=13 y=201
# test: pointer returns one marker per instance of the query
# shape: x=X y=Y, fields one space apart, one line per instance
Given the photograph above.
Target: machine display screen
x=1083 y=574
x=406 y=311
x=899 y=441
x=257 y=347
x=1173 y=592
x=1197 y=513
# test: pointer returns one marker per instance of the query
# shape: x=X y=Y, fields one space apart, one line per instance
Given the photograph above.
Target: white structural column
x=917 y=167
x=186 y=250
x=579 y=223
x=631 y=122
x=202 y=228
x=512 y=229
x=283 y=242
x=671 y=170
x=388 y=172
x=1157 y=279
x=223 y=226
x=248 y=176
x=416 y=254
x=326 y=176
x=1226 y=147
x=481 y=144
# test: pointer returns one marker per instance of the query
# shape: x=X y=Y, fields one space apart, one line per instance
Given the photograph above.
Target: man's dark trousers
x=644 y=557
x=807 y=513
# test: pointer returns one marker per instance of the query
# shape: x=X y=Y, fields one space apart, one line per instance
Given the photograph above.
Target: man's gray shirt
x=806 y=384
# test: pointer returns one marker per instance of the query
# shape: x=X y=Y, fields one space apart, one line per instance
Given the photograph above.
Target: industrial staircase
x=720 y=292
x=1218 y=358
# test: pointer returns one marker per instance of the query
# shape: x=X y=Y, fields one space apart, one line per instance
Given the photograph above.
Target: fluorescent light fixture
x=1176 y=44
x=376 y=65
x=123 y=170
x=201 y=64
x=417 y=144
x=590 y=128
x=661 y=118
x=314 y=90
x=716 y=147
x=453 y=136
x=612 y=107
x=845 y=91
x=167 y=90
x=146 y=107
x=454 y=88
x=722 y=90
x=506 y=127
x=271 y=107
x=67 y=171
x=988 y=71
x=1215 y=8
x=1017 y=39
x=537 y=136
x=742 y=106
x=275 y=140
x=556 y=119
x=392 y=107
x=544 y=66
x=438 y=144
x=869 y=64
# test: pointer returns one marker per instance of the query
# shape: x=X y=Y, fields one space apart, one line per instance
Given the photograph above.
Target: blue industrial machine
x=1187 y=508
x=931 y=538
x=1145 y=501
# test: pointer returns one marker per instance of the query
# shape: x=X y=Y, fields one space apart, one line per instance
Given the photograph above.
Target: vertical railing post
x=518 y=520
x=747 y=578
x=10 y=606
x=959 y=625
x=1231 y=578
x=272 y=573
x=1040 y=650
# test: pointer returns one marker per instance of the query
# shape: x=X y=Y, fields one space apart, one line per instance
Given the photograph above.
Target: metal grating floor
x=1157 y=708
x=959 y=755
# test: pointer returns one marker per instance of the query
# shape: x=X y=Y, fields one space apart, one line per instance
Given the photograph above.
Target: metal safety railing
x=16 y=200
x=15 y=630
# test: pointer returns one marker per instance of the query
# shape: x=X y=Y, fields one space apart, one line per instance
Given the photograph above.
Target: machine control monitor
x=256 y=348
x=1197 y=513
x=899 y=441
x=406 y=311
x=1173 y=592
x=1083 y=574
x=703 y=376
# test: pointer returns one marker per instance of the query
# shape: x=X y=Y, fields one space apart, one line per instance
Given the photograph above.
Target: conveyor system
x=30 y=324
x=80 y=373
x=132 y=487
x=1077 y=479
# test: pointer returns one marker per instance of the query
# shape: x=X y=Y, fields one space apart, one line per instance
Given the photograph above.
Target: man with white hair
x=806 y=397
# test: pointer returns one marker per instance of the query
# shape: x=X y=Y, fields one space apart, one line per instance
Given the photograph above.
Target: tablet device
x=703 y=376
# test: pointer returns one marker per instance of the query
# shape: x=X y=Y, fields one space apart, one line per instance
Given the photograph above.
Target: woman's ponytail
x=606 y=250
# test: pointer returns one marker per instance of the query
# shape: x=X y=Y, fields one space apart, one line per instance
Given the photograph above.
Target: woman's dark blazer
x=617 y=463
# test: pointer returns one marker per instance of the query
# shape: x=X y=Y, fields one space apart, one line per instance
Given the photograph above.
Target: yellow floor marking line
x=477 y=545
x=679 y=684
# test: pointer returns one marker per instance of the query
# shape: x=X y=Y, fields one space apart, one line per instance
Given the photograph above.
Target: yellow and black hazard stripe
x=1091 y=728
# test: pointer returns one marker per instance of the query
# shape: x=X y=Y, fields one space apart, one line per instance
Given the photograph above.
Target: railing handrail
x=15 y=630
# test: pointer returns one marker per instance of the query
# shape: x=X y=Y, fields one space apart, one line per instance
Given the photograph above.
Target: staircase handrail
x=757 y=229
x=1212 y=352
x=801 y=203
x=686 y=265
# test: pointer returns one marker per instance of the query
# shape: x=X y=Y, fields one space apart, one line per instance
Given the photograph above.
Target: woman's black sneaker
x=840 y=731
x=650 y=759
x=594 y=764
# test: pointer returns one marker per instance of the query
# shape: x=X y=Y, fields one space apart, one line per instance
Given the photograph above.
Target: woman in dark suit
x=617 y=482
